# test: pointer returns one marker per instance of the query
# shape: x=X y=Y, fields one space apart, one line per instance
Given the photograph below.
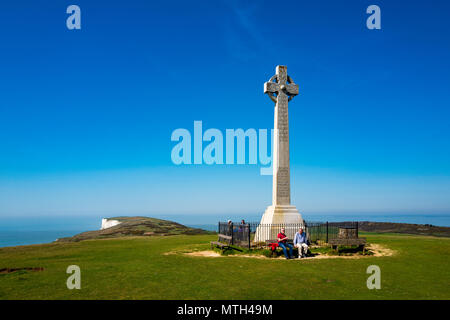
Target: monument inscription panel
x=283 y=184
x=283 y=123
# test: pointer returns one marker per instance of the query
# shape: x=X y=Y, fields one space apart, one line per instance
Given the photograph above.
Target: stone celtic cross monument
x=281 y=89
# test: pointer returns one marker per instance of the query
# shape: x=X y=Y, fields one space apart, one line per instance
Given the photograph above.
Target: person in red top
x=282 y=242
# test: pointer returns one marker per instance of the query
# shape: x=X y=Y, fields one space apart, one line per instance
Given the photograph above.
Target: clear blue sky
x=87 y=115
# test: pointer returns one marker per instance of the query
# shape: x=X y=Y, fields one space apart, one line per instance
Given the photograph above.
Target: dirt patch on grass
x=376 y=249
x=11 y=270
x=208 y=253
x=380 y=251
x=213 y=254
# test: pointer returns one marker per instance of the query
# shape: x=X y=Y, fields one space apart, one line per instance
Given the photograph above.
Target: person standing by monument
x=282 y=242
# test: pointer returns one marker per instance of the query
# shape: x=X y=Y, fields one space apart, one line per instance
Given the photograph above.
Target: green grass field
x=137 y=268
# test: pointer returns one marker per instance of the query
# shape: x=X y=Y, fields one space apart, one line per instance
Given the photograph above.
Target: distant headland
x=134 y=226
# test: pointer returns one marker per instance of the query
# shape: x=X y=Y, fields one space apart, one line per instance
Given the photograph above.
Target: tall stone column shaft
x=281 y=191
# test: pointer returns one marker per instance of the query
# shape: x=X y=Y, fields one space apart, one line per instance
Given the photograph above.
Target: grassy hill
x=409 y=228
x=155 y=268
x=136 y=226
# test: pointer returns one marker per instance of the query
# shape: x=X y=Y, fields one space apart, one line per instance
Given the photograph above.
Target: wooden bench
x=276 y=241
x=225 y=238
x=220 y=245
x=223 y=242
x=268 y=242
x=335 y=243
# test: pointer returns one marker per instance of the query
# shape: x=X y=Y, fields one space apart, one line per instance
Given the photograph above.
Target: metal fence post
x=232 y=234
x=357 y=229
x=248 y=231
x=327 y=233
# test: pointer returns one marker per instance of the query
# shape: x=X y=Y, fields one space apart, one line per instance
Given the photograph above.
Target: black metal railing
x=248 y=234
x=240 y=233
x=324 y=231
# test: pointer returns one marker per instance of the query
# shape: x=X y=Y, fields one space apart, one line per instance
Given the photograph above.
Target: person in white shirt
x=300 y=242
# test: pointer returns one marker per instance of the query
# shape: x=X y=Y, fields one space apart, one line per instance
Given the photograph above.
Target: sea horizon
x=15 y=231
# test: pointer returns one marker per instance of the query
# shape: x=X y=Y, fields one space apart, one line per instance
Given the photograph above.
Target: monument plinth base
x=276 y=217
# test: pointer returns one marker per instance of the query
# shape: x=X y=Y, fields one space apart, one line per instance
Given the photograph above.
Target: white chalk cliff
x=109 y=223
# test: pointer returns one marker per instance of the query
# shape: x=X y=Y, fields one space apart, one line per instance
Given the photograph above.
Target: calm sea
x=34 y=230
